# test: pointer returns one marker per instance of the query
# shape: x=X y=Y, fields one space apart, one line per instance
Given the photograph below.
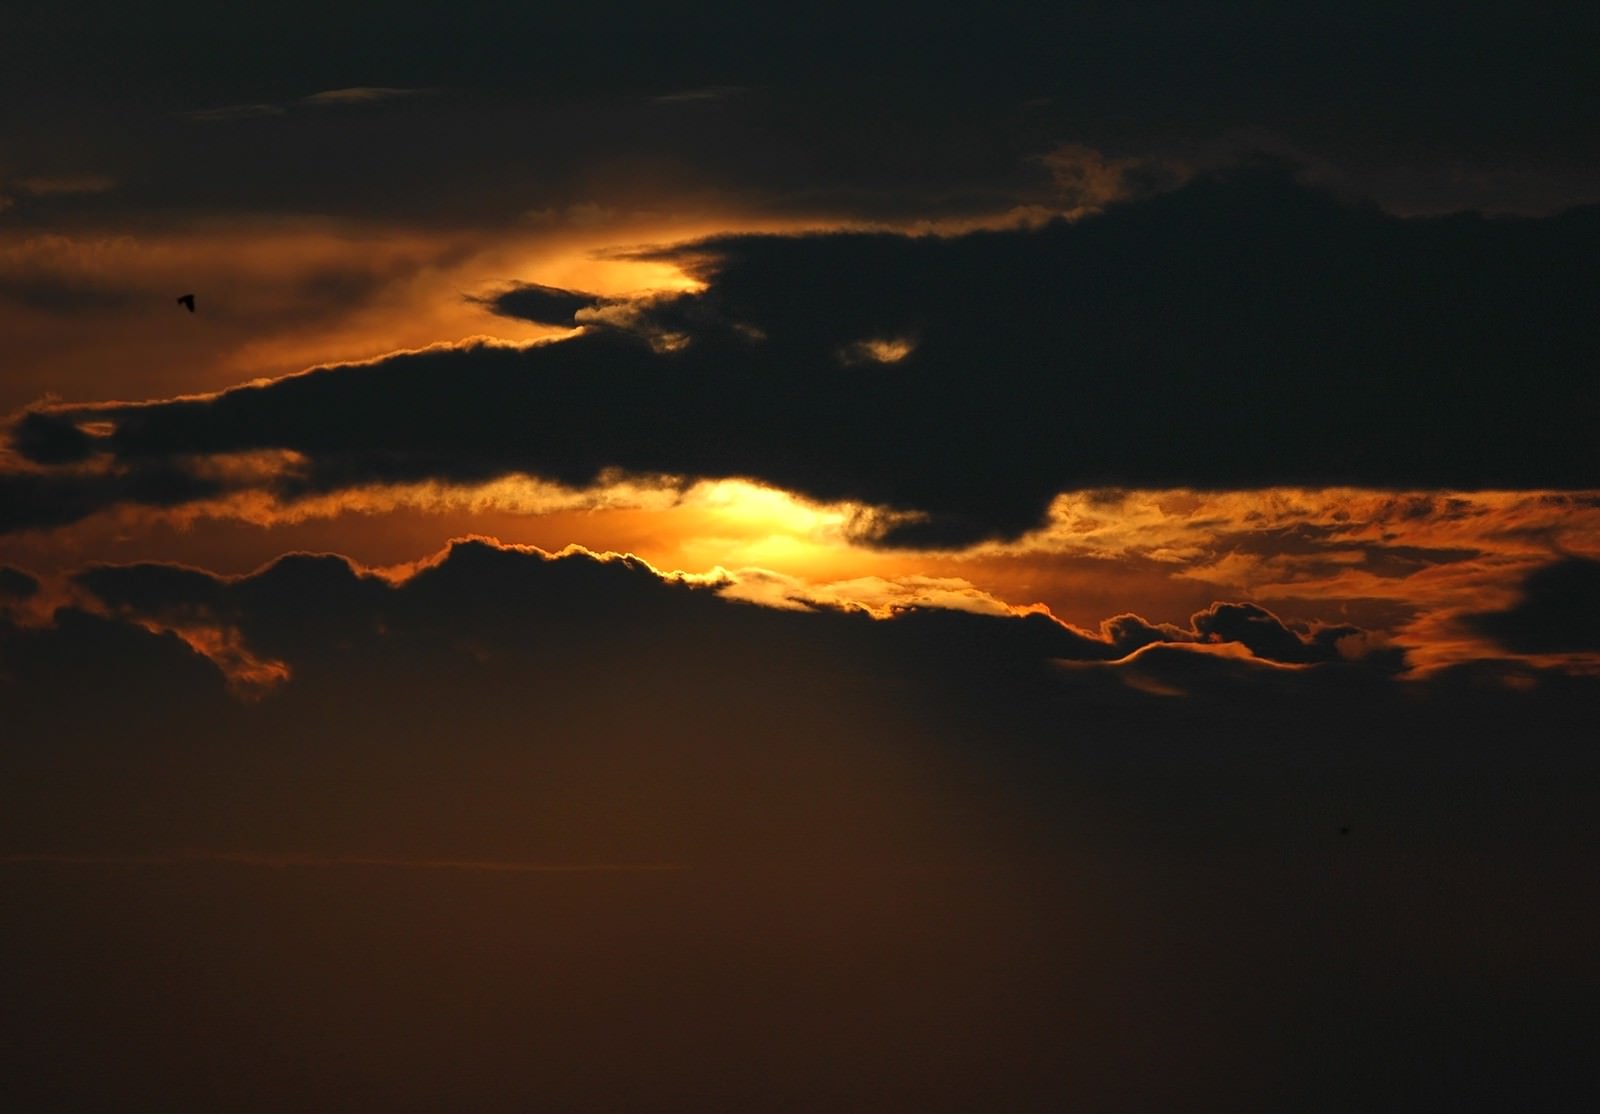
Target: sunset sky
x=1028 y=559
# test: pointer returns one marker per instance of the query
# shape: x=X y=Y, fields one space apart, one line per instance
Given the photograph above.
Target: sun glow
x=755 y=506
x=1405 y=566
x=599 y=272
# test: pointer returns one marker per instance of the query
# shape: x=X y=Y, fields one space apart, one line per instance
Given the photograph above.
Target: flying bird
x=187 y=301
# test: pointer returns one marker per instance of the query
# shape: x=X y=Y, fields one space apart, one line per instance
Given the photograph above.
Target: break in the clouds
x=1242 y=331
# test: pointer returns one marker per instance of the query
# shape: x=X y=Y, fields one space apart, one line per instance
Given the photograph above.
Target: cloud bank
x=1007 y=853
x=1243 y=331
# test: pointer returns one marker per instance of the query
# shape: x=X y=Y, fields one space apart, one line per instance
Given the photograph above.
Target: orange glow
x=878 y=350
x=278 y=296
x=1404 y=566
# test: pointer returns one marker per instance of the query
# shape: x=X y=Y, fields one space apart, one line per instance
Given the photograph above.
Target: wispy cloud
x=700 y=95
x=360 y=94
x=229 y=112
x=289 y=860
x=350 y=95
x=57 y=185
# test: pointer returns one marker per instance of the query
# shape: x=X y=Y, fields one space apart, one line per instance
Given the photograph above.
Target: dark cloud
x=1559 y=611
x=49 y=439
x=544 y=305
x=1243 y=331
x=503 y=592
x=472 y=691
x=925 y=824
x=154 y=696
x=157 y=590
x=31 y=499
x=890 y=120
x=1266 y=636
x=17 y=584
x=1263 y=634
x=1128 y=633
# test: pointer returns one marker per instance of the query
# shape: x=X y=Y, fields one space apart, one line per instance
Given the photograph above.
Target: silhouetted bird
x=187 y=301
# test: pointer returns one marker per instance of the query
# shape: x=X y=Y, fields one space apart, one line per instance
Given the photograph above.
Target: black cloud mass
x=1241 y=331
x=845 y=812
x=1559 y=611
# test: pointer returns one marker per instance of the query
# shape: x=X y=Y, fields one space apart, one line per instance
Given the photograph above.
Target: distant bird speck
x=186 y=301
x=1344 y=831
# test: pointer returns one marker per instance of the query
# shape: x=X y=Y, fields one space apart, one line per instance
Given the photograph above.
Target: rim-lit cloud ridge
x=1242 y=331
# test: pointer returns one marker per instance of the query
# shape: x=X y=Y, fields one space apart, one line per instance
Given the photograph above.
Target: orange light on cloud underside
x=595 y=271
x=1404 y=565
x=277 y=296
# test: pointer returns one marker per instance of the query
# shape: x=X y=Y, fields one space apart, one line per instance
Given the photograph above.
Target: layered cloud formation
x=984 y=577
x=1240 y=332
x=294 y=671
x=327 y=789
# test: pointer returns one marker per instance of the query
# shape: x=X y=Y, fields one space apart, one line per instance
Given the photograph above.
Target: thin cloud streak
x=357 y=95
x=361 y=94
x=281 y=860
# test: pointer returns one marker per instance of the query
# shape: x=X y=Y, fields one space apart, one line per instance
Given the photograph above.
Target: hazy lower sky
x=755 y=560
